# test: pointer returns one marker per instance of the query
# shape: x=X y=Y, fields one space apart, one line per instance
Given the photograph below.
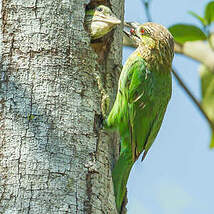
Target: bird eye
x=100 y=9
x=132 y=31
x=142 y=31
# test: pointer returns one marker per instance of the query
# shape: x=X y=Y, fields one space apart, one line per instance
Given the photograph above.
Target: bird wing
x=146 y=102
x=133 y=84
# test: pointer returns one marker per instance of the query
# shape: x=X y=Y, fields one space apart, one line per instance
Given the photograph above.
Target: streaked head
x=154 y=34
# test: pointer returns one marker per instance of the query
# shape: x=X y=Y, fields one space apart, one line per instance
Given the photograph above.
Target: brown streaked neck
x=154 y=53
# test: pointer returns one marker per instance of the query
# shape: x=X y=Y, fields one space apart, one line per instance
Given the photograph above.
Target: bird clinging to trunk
x=144 y=90
x=100 y=21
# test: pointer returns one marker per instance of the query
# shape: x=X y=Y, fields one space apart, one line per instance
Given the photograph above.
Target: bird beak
x=108 y=19
x=127 y=33
x=131 y=34
x=127 y=40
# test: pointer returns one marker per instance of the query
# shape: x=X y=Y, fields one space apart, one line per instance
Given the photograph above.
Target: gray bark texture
x=53 y=156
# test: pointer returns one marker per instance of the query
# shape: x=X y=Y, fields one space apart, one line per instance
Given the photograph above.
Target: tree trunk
x=53 y=156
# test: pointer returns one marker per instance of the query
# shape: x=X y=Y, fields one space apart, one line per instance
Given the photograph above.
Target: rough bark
x=53 y=157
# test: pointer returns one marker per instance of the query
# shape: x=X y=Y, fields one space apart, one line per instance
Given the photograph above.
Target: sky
x=177 y=176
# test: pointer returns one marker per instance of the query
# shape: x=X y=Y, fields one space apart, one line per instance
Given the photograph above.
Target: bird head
x=103 y=13
x=100 y=20
x=154 y=36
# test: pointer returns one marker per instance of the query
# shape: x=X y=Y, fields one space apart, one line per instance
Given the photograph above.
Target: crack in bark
x=4 y=16
x=11 y=47
x=35 y=8
x=19 y=163
x=31 y=197
x=2 y=195
x=87 y=203
x=76 y=198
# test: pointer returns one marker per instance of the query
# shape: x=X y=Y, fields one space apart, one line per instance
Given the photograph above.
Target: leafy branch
x=146 y=4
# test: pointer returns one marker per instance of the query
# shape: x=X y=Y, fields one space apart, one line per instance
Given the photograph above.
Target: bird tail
x=120 y=176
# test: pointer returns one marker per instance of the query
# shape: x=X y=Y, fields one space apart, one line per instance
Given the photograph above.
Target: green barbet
x=99 y=21
x=144 y=90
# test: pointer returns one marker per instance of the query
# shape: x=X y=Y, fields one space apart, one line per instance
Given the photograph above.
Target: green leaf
x=207 y=88
x=209 y=12
x=201 y=19
x=183 y=33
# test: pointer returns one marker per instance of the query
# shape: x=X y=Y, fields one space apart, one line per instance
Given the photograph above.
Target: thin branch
x=146 y=4
x=192 y=97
